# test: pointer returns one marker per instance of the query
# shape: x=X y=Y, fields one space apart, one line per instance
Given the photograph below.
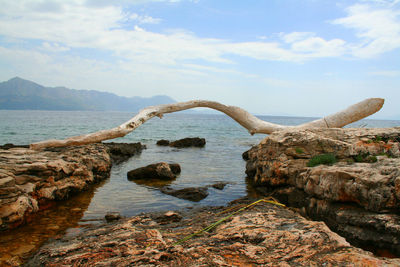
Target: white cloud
x=144 y=19
x=74 y=24
x=377 y=27
x=296 y=36
x=54 y=47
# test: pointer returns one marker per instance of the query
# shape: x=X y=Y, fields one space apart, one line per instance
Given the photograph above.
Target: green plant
x=326 y=159
x=365 y=157
x=360 y=157
x=371 y=159
x=378 y=139
x=299 y=150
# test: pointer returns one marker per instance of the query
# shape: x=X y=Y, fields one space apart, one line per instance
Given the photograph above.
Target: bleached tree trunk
x=248 y=121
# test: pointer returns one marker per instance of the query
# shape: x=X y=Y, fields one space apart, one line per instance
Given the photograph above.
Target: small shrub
x=365 y=157
x=360 y=157
x=371 y=159
x=326 y=159
x=299 y=150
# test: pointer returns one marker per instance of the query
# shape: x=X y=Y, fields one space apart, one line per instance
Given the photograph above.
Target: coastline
x=346 y=142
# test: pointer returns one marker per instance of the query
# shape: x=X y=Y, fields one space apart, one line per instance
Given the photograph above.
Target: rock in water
x=112 y=216
x=194 y=194
x=120 y=152
x=189 y=142
x=219 y=185
x=364 y=180
x=161 y=170
x=162 y=142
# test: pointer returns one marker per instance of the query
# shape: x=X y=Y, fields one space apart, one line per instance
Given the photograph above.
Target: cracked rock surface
x=266 y=235
x=30 y=180
x=365 y=179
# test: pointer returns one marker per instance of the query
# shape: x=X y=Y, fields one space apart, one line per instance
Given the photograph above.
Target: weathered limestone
x=265 y=235
x=365 y=180
x=30 y=180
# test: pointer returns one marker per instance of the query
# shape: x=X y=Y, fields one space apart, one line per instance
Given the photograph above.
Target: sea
x=219 y=161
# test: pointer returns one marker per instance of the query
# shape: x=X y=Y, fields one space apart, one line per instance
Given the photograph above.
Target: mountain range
x=18 y=93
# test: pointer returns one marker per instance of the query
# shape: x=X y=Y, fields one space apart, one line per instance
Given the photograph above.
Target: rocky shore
x=262 y=235
x=356 y=192
x=33 y=180
x=347 y=178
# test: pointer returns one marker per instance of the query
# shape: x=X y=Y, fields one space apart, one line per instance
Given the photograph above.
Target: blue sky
x=273 y=57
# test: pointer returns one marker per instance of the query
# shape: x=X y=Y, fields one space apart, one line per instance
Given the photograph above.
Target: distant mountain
x=18 y=93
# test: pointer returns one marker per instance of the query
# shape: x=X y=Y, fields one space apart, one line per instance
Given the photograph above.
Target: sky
x=271 y=57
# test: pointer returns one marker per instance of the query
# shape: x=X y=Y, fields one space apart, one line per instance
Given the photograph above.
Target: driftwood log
x=251 y=123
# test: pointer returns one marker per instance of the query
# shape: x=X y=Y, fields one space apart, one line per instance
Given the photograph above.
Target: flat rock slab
x=31 y=179
x=265 y=235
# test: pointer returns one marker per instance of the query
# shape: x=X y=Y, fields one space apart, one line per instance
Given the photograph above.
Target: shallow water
x=220 y=160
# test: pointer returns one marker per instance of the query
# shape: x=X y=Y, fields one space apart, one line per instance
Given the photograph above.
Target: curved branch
x=247 y=120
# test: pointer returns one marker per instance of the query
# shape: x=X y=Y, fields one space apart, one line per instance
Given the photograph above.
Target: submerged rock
x=265 y=235
x=30 y=180
x=194 y=194
x=120 y=152
x=161 y=170
x=219 y=185
x=336 y=193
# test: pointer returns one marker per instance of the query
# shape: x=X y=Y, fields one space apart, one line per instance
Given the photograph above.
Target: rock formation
x=31 y=180
x=120 y=152
x=161 y=170
x=265 y=235
x=357 y=195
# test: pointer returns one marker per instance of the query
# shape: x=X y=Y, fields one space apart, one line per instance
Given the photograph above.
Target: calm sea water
x=220 y=160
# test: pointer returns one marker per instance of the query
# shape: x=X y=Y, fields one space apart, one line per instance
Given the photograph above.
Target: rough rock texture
x=190 y=193
x=161 y=170
x=120 y=152
x=265 y=235
x=189 y=142
x=358 y=196
x=30 y=180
